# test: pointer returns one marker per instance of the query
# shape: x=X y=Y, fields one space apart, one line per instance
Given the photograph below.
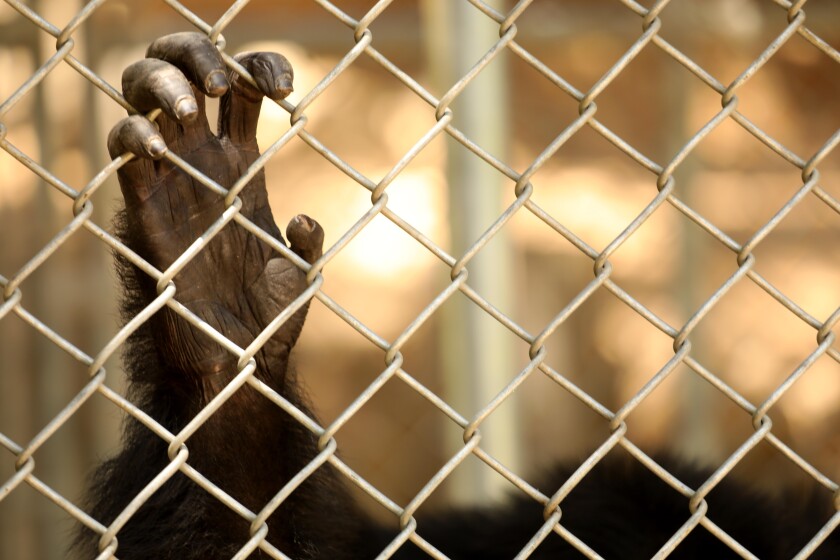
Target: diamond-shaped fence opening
x=616 y=280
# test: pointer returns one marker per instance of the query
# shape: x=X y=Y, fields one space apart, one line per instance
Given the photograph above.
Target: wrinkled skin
x=238 y=285
x=167 y=210
x=250 y=448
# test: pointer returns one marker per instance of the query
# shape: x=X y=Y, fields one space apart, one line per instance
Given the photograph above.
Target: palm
x=237 y=284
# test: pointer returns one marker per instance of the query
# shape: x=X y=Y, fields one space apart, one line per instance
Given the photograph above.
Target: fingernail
x=216 y=83
x=305 y=222
x=156 y=147
x=282 y=88
x=186 y=109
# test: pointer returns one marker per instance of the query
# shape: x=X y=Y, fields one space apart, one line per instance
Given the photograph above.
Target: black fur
x=250 y=448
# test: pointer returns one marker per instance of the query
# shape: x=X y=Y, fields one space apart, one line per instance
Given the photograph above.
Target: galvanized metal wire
x=662 y=193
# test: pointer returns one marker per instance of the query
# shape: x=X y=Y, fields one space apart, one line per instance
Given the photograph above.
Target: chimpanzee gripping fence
x=663 y=194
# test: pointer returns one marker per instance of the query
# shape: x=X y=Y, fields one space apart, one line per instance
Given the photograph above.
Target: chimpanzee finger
x=149 y=84
x=137 y=135
x=196 y=57
x=271 y=71
x=239 y=110
x=306 y=238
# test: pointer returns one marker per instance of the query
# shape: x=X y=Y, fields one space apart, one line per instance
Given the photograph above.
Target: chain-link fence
x=625 y=265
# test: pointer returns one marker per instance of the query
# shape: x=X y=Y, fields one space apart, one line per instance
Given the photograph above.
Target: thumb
x=239 y=109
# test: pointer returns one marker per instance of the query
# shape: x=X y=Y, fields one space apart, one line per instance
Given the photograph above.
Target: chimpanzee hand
x=237 y=284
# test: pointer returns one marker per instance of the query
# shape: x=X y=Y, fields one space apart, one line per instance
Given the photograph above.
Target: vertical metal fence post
x=696 y=396
x=60 y=461
x=477 y=354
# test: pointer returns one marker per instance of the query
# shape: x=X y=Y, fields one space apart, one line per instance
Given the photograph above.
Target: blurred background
x=385 y=278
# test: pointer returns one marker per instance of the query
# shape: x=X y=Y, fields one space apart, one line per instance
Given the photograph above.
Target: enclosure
x=555 y=231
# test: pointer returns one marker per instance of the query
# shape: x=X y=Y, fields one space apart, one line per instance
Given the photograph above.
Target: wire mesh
x=663 y=193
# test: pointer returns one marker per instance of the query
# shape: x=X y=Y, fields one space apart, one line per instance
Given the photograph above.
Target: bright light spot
x=382 y=251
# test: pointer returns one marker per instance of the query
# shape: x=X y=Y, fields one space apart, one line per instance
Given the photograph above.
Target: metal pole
x=477 y=352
